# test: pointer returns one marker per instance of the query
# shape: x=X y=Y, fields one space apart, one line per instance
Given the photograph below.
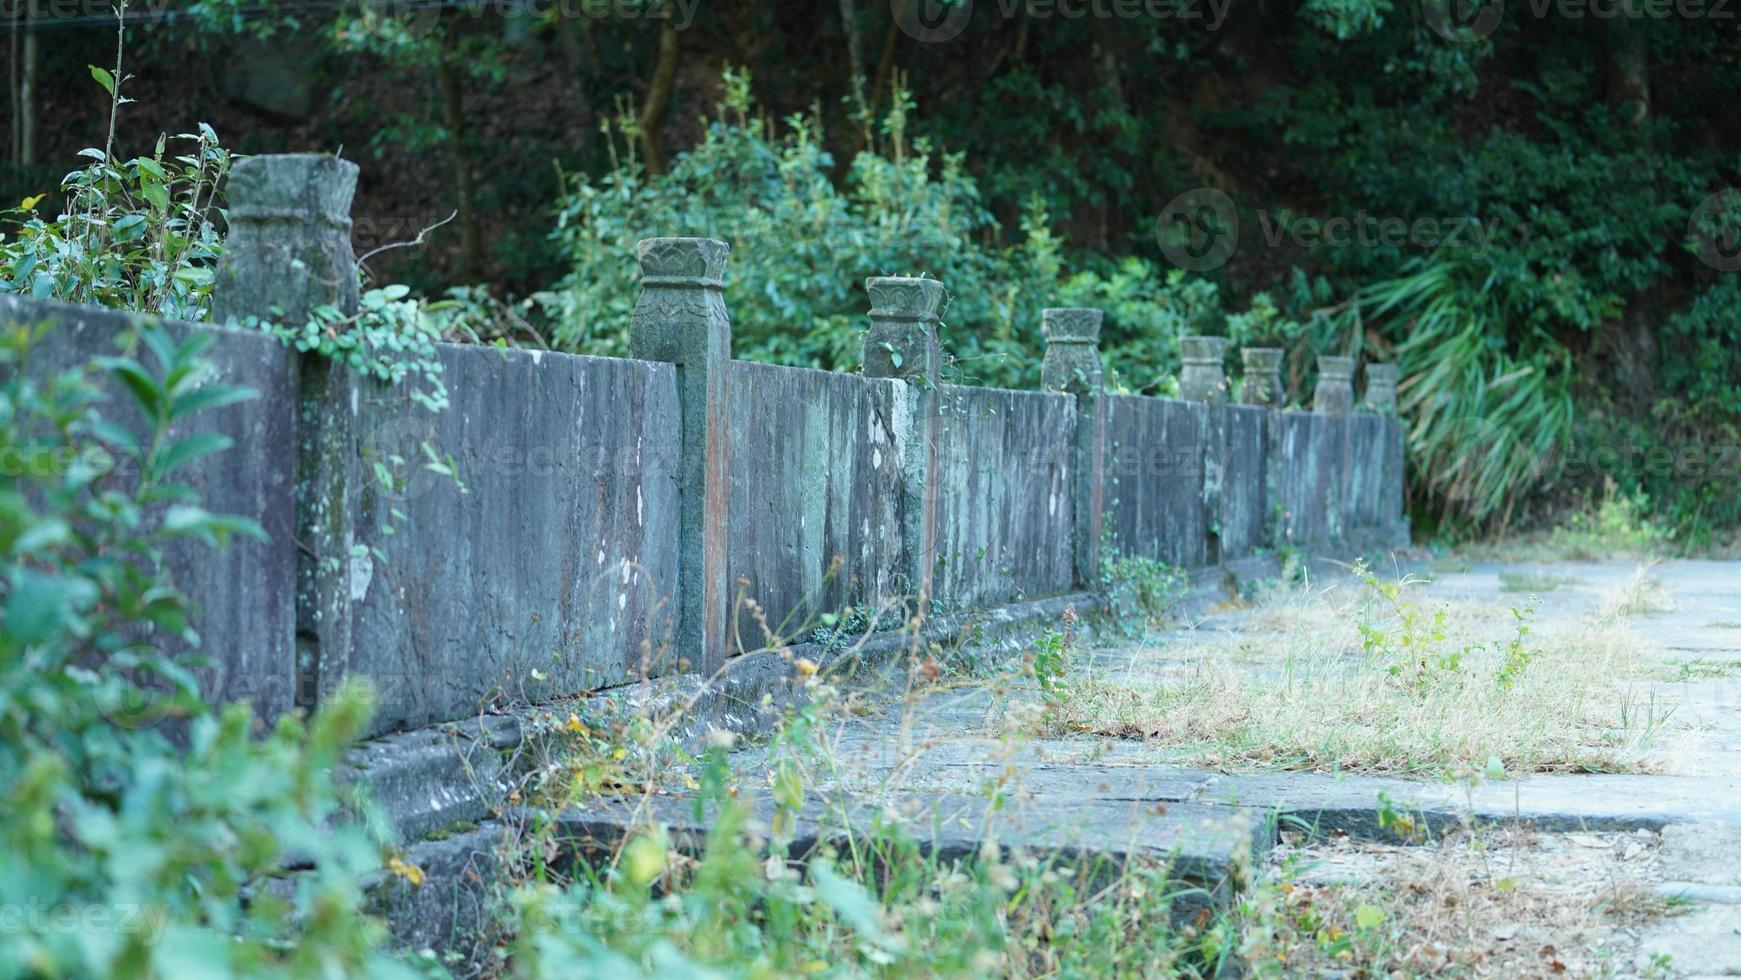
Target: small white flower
x=719 y=738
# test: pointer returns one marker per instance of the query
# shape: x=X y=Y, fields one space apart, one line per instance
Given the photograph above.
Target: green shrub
x=126 y=852
x=803 y=244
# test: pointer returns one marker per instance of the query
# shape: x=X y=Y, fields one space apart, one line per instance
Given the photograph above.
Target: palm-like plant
x=1487 y=413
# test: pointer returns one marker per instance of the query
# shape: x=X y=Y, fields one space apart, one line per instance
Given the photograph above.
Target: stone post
x=1203 y=378
x=1072 y=366
x=287 y=253
x=1335 y=393
x=1381 y=382
x=902 y=344
x=1261 y=381
x=680 y=318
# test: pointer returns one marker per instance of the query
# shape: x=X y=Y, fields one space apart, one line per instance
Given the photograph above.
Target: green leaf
x=45 y=533
x=116 y=435
x=852 y=903
x=184 y=451
x=42 y=606
x=1368 y=917
x=138 y=381
x=103 y=78
x=211 y=396
x=155 y=194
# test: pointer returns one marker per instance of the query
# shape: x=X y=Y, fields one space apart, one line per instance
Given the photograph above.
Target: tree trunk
x=1629 y=71
x=27 y=90
x=658 y=100
x=854 y=52
x=453 y=114
x=886 y=63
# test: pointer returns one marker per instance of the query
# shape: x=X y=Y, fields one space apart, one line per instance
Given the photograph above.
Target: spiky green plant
x=1487 y=411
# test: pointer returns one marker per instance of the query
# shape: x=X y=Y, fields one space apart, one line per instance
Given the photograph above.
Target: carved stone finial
x=1381 y=382
x=1261 y=384
x=683 y=263
x=896 y=298
x=1072 y=361
x=902 y=339
x=289 y=243
x=1204 y=376
x=1335 y=393
x=1072 y=326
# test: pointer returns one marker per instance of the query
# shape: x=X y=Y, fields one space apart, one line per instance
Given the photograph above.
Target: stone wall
x=547 y=567
x=1312 y=449
x=1242 y=504
x=1004 y=495
x=1155 y=453
x=814 y=525
x=613 y=519
x=245 y=594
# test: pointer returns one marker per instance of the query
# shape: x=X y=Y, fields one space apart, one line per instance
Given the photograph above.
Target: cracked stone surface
x=957 y=740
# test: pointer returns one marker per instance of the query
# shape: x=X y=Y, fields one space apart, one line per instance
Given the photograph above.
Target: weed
x=1367 y=679
x=1694 y=670
x=1138 y=589
x=1533 y=582
x=1617 y=526
x=1642 y=595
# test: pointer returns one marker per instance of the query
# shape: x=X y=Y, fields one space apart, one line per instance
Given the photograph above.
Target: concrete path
x=966 y=740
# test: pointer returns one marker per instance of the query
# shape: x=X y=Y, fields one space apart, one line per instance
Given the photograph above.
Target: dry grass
x=1358 y=677
x=1504 y=903
x=1533 y=582
x=1642 y=595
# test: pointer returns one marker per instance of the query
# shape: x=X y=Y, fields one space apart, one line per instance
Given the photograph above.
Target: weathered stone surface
x=1309 y=485
x=289 y=243
x=816 y=478
x=1072 y=366
x=245 y=593
x=902 y=339
x=1242 y=499
x=1261 y=382
x=1380 y=393
x=287 y=254
x=1350 y=804
x=1335 y=392
x=680 y=317
x=1004 y=495
x=1203 y=378
x=553 y=572
x=456 y=907
x=901 y=343
x=1155 y=475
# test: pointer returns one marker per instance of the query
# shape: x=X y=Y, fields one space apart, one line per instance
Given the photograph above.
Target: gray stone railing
x=632 y=518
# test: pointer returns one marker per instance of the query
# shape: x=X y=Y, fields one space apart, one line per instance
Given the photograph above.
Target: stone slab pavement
x=964 y=740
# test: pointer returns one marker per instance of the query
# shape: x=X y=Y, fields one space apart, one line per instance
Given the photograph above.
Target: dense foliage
x=1562 y=160
x=147 y=833
x=902 y=210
